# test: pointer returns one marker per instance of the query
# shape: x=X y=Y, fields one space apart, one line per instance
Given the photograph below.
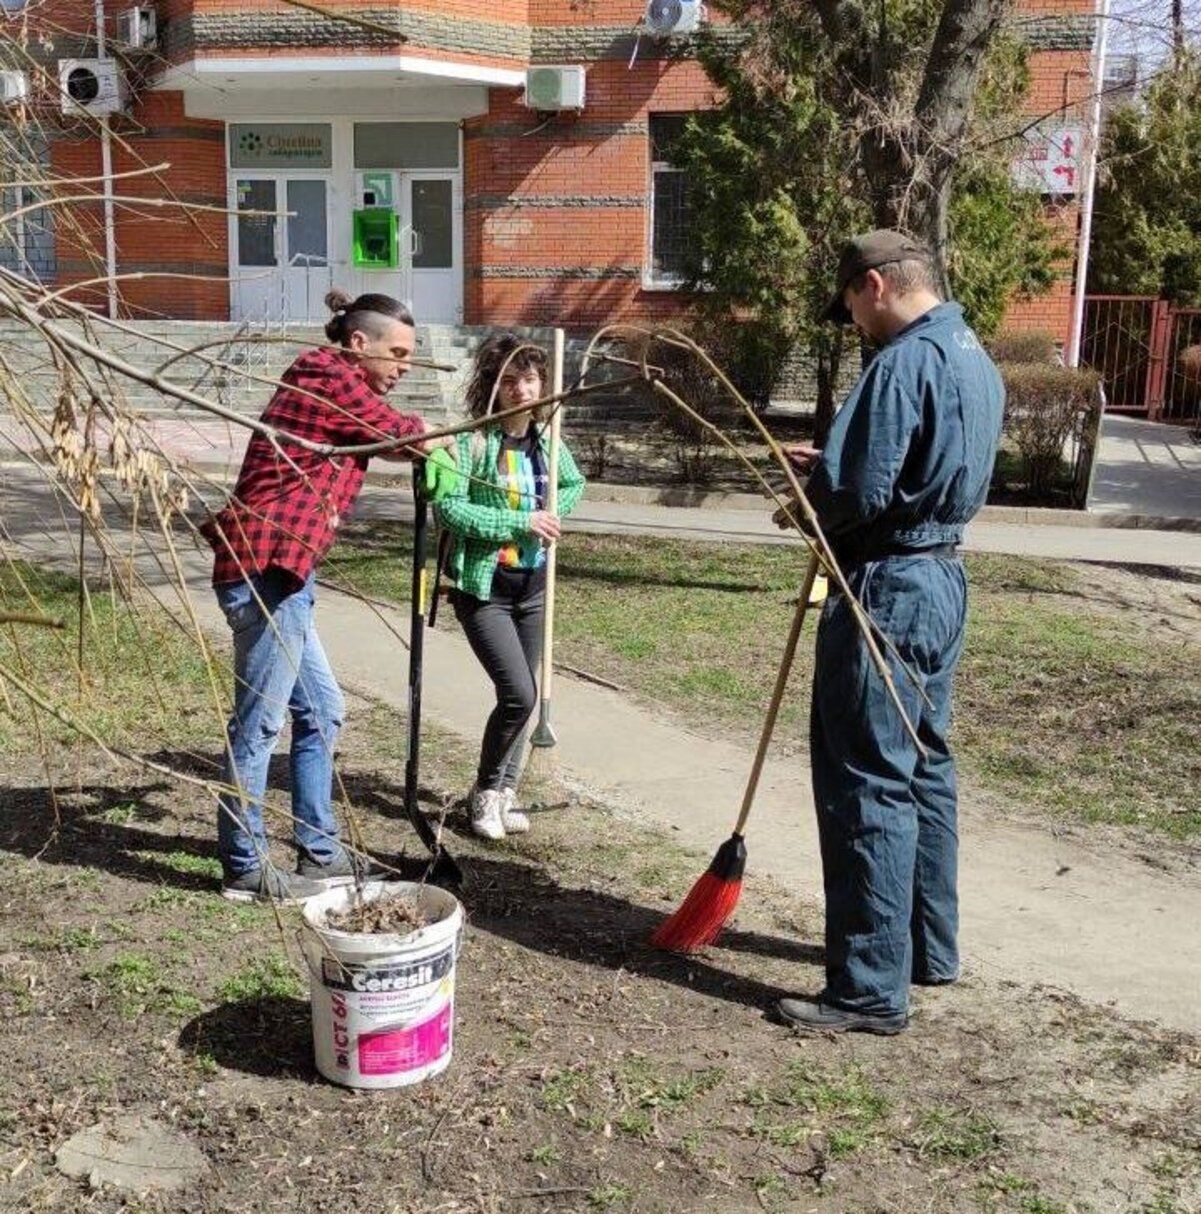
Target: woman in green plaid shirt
x=499 y=525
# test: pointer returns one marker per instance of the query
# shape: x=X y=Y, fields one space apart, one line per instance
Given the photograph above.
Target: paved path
x=1146 y=468
x=1037 y=907
x=1110 y=545
x=216 y=447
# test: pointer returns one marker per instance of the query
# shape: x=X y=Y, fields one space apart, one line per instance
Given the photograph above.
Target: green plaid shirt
x=478 y=515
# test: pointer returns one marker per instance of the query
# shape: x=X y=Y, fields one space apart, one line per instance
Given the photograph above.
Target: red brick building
x=502 y=214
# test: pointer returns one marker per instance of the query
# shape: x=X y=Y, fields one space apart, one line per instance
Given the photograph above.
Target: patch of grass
x=1035 y=1203
x=951 y=1134
x=845 y=1108
x=272 y=976
x=147 y=684
x=205 y=1065
x=137 y=983
x=167 y=896
x=847 y=1094
x=780 y=1133
x=609 y=1196
x=16 y=996
x=635 y=1122
x=562 y=1089
x=64 y=940
x=1168 y=1167
x=545 y=1155
x=119 y=815
x=771 y=1184
x=646 y=1089
x=187 y=863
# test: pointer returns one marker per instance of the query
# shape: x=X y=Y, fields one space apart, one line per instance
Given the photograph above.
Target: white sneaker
x=486 y=813
x=515 y=822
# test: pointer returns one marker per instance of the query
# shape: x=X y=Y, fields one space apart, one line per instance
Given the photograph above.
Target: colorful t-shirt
x=522 y=468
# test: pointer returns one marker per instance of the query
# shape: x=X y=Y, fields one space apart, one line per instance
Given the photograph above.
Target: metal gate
x=1148 y=354
x=1181 y=397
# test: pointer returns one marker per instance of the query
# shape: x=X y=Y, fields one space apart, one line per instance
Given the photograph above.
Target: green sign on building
x=280 y=145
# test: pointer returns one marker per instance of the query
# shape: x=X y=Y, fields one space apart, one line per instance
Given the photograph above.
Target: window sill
x=663 y=284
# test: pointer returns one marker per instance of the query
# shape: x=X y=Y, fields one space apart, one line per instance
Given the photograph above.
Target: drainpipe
x=106 y=168
x=1090 y=184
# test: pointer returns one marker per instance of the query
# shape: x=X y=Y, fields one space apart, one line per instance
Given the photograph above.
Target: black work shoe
x=813 y=1016
x=934 y=979
x=270 y=885
x=345 y=870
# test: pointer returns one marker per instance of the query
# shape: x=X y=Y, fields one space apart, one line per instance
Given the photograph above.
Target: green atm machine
x=377 y=225
x=376 y=238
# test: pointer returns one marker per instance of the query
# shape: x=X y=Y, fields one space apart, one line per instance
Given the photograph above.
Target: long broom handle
x=552 y=507
x=777 y=695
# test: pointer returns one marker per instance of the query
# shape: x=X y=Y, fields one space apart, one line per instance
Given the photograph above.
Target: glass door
x=307 y=274
x=256 y=286
x=431 y=209
x=281 y=269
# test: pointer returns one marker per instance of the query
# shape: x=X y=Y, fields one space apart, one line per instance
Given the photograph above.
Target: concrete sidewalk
x=1146 y=468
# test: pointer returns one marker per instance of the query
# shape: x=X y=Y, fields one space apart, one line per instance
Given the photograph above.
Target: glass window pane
x=307 y=229
x=406 y=145
x=256 y=233
x=666 y=130
x=433 y=221
x=670 y=224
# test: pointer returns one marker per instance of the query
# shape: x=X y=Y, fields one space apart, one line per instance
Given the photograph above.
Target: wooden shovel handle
x=777 y=695
x=552 y=507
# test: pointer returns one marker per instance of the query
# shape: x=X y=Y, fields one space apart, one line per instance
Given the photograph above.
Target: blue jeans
x=887 y=818
x=279 y=668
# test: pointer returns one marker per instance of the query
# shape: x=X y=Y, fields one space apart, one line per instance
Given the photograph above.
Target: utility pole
x=106 y=168
x=1100 y=48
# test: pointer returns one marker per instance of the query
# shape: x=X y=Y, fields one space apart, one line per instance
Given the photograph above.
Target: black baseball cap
x=867 y=252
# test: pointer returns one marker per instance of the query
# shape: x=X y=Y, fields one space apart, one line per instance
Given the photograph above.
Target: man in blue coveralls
x=906 y=465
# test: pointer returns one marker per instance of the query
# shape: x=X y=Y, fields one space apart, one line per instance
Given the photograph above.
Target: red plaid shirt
x=286 y=507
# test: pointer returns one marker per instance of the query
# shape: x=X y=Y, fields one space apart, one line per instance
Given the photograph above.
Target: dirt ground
x=590 y=1073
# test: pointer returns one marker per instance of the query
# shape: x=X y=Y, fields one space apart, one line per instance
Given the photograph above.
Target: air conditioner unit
x=14 y=87
x=666 y=17
x=554 y=88
x=138 y=28
x=92 y=86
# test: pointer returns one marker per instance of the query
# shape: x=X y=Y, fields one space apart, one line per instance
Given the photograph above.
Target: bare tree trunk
x=829 y=362
x=1177 y=32
x=909 y=161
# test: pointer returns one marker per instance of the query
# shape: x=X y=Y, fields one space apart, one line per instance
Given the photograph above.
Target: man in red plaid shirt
x=282 y=519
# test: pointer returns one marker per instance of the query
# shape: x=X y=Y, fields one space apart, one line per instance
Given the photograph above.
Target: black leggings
x=505 y=633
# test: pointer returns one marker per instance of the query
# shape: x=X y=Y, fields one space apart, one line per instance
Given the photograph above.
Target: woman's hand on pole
x=544 y=525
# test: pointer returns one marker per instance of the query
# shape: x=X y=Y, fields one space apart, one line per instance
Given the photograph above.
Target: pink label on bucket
x=400 y=1050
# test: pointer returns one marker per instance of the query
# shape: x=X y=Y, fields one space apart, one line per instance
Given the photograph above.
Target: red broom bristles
x=709 y=904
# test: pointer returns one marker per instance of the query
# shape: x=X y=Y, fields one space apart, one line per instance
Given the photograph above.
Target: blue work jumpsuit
x=907 y=464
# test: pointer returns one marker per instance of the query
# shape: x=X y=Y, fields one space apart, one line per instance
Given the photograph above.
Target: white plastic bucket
x=383 y=1005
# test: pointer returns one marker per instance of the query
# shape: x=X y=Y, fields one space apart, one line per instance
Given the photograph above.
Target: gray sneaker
x=270 y=885
x=345 y=870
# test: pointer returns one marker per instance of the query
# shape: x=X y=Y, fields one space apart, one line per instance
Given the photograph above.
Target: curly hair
x=507 y=352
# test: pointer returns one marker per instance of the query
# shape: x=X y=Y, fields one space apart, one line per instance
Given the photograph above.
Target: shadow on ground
x=504 y=896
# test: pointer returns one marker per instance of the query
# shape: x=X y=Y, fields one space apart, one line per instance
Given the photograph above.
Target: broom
x=712 y=900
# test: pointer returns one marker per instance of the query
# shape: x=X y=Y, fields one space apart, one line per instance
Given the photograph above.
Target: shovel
x=443 y=870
